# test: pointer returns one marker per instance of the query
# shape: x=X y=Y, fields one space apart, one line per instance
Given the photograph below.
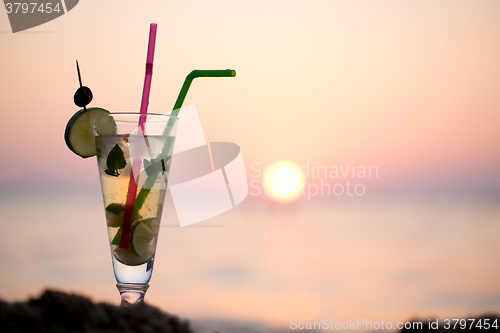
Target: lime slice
x=142 y=237
x=79 y=134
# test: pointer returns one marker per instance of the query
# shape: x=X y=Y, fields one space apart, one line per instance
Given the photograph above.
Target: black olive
x=83 y=96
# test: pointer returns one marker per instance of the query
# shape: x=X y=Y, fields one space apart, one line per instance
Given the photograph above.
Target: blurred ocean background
x=263 y=264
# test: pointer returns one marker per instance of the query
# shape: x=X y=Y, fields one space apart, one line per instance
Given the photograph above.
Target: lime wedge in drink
x=142 y=237
x=144 y=234
x=79 y=134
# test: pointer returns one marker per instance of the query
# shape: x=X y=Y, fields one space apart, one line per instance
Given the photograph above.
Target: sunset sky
x=411 y=87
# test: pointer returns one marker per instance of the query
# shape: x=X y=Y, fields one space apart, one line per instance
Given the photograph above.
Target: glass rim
x=125 y=113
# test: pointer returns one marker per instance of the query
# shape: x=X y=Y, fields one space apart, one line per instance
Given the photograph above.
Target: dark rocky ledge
x=58 y=312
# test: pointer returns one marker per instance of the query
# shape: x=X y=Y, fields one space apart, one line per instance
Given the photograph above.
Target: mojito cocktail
x=134 y=153
x=133 y=164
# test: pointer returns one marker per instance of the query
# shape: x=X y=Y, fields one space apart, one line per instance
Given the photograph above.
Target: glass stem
x=132 y=293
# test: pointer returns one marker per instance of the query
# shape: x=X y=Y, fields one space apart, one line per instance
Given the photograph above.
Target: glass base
x=132 y=274
x=132 y=293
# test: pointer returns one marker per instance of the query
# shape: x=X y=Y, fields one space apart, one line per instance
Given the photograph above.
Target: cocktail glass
x=133 y=166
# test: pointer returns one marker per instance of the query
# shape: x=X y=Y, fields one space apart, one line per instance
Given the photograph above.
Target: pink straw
x=149 y=74
x=136 y=164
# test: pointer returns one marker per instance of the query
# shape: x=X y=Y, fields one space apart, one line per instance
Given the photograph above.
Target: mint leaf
x=151 y=167
x=155 y=165
x=115 y=161
x=116 y=208
x=163 y=166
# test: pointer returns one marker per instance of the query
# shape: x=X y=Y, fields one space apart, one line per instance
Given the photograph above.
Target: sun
x=283 y=181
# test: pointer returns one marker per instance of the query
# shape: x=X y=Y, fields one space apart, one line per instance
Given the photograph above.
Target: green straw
x=150 y=180
x=193 y=75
